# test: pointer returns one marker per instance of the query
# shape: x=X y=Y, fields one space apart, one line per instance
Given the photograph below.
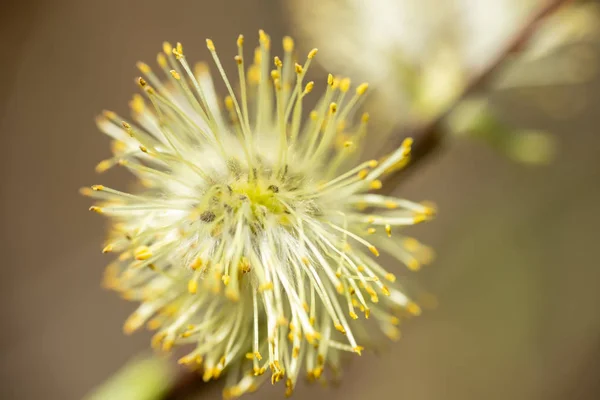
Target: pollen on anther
x=374 y=250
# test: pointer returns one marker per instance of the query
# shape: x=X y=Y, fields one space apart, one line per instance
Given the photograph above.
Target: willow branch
x=429 y=137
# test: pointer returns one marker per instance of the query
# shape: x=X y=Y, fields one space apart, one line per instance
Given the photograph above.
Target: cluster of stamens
x=244 y=241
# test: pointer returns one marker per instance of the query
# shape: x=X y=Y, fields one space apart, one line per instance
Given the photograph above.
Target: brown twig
x=428 y=138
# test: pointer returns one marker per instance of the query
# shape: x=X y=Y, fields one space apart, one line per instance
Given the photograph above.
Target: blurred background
x=517 y=183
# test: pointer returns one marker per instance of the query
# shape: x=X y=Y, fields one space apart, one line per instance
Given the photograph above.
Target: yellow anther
x=388 y=230
x=210 y=45
x=161 y=60
x=108 y=248
x=137 y=104
x=274 y=74
x=103 y=166
x=167 y=48
x=208 y=374
x=314 y=115
x=393 y=333
x=339 y=327
x=365 y=118
x=317 y=372
x=288 y=44
x=373 y=163
x=238 y=59
x=362 y=88
x=277 y=62
x=309 y=87
x=407 y=144
x=413 y=308
x=249 y=356
x=298 y=68
x=295 y=352
x=143 y=148
x=418 y=218
x=154 y=324
x=390 y=277
x=312 y=53
x=174 y=74
x=96 y=209
x=201 y=68
x=353 y=315
x=333 y=108
x=370 y=291
x=98 y=188
x=336 y=83
x=109 y=114
x=225 y=279
x=178 y=51
x=312 y=337
x=390 y=205
x=143 y=67
x=263 y=37
x=133 y=323
x=411 y=244
x=188 y=359
x=192 y=286
x=413 y=264
x=376 y=184
x=257 y=56
x=330 y=80
x=358 y=350
x=142 y=253
x=232 y=294
x=362 y=174
x=265 y=286
x=430 y=208
x=394 y=320
x=257 y=355
x=197 y=263
x=348 y=144
x=367 y=312
x=385 y=290
x=167 y=344
x=142 y=82
x=187 y=334
x=345 y=85
x=157 y=339
x=85 y=191
x=371 y=231
x=229 y=103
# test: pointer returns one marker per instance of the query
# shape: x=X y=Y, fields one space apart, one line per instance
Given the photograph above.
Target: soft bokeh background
x=516 y=275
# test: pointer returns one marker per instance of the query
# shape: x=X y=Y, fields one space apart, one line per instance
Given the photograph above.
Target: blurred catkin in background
x=516 y=268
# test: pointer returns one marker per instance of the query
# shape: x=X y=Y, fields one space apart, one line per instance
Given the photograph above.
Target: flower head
x=248 y=238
